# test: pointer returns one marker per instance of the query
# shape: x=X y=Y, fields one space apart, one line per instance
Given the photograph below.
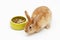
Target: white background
x=11 y=8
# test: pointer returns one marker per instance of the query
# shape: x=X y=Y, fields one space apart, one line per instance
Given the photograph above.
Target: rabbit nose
x=26 y=31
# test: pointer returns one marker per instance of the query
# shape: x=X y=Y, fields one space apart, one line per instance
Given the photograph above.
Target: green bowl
x=18 y=26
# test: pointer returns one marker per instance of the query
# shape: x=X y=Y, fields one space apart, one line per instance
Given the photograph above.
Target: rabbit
x=41 y=18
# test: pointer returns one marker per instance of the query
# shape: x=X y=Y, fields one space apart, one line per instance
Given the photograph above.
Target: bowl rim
x=17 y=23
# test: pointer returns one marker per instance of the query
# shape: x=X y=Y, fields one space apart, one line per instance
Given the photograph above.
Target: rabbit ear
x=27 y=16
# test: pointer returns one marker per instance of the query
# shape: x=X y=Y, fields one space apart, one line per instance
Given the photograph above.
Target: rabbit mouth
x=31 y=32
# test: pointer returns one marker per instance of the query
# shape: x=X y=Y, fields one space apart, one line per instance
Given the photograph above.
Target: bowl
x=18 y=22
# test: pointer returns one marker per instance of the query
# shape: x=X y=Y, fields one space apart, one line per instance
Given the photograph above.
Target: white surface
x=11 y=8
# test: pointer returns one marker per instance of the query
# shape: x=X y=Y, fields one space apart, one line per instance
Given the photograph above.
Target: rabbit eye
x=29 y=27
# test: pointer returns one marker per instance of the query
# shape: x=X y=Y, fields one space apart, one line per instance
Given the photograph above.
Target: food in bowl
x=18 y=20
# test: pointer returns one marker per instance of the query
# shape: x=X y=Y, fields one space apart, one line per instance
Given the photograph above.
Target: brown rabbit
x=40 y=19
